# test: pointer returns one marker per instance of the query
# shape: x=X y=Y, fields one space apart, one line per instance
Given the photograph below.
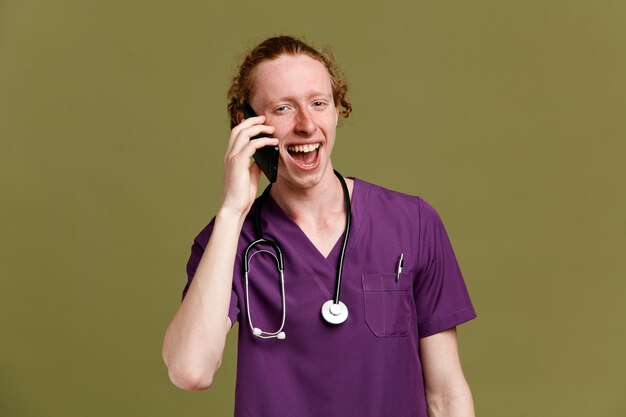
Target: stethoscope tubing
x=280 y=266
x=333 y=311
x=345 y=237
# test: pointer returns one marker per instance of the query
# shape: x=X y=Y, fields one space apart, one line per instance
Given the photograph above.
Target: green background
x=508 y=117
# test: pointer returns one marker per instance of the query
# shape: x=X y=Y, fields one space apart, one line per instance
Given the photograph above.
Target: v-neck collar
x=277 y=223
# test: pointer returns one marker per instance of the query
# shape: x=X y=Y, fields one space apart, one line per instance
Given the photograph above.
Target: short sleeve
x=441 y=296
x=197 y=250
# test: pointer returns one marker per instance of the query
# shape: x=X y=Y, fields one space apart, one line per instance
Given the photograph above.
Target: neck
x=312 y=203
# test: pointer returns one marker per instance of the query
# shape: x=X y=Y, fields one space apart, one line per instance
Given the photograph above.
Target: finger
x=245 y=136
x=255 y=173
x=253 y=145
x=251 y=121
x=241 y=160
x=235 y=143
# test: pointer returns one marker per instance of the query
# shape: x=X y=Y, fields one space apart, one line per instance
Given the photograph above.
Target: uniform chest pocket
x=388 y=305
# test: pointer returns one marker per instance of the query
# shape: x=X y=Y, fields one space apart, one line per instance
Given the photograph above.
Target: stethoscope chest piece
x=334 y=313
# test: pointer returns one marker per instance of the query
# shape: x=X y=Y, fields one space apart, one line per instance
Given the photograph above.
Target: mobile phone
x=267 y=156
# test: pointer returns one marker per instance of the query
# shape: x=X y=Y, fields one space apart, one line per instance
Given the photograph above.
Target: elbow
x=450 y=401
x=192 y=377
x=188 y=368
x=189 y=379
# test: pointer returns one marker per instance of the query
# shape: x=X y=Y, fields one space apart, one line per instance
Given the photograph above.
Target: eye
x=281 y=109
x=319 y=103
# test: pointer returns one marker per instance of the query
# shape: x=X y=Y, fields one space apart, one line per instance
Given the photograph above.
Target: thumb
x=255 y=173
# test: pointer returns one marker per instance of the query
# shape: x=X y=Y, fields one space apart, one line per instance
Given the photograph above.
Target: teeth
x=303 y=148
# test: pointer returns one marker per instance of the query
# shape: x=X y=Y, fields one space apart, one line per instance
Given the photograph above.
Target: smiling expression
x=295 y=95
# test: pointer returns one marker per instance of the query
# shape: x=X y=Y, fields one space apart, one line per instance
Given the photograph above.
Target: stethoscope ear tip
x=256 y=331
x=281 y=336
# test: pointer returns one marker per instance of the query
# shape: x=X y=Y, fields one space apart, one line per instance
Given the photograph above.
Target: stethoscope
x=333 y=311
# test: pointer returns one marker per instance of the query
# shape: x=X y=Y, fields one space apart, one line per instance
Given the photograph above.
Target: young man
x=385 y=345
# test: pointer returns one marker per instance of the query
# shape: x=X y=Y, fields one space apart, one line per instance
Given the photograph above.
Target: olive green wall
x=508 y=117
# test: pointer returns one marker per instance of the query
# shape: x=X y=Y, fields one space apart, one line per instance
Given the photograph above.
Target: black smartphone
x=267 y=156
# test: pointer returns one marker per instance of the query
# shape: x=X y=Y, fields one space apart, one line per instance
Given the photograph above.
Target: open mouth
x=304 y=155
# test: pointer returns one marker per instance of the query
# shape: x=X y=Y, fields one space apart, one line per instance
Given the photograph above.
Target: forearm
x=455 y=401
x=447 y=391
x=195 y=338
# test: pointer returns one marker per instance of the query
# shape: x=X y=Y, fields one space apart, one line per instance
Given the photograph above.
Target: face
x=295 y=95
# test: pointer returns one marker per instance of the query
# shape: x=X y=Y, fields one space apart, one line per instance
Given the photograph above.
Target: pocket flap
x=387 y=282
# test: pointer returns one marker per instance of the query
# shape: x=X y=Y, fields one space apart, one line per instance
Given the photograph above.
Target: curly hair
x=241 y=88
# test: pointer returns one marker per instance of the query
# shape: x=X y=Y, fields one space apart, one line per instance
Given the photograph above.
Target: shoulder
x=388 y=199
x=202 y=238
x=374 y=191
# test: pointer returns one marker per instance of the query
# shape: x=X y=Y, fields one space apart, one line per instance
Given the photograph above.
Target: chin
x=304 y=179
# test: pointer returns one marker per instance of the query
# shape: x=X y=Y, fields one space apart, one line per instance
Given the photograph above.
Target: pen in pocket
x=399 y=268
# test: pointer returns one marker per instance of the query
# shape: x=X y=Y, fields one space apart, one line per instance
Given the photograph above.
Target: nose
x=305 y=125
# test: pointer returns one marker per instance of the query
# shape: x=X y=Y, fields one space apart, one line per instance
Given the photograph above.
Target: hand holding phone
x=267 y=156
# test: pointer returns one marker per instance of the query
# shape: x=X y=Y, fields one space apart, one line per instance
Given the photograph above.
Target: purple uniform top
x=370 y=364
